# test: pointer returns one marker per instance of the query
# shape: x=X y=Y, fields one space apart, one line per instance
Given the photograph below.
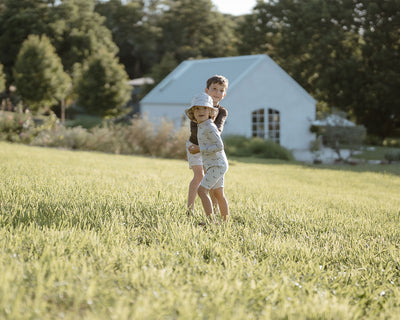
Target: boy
x=216 y=87
x=202 y=112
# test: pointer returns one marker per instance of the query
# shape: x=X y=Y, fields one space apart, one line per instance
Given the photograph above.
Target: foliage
x=241 y=146
x=393 y=155
x=192 y=29
x=342 y=52
x=39 y=75
x=18 y=20
x=160 y=71
x=94 y=236
x=339 y=137
x=378 y=106
x=2 y=79
x=102 y=85
x=392 y=142
x=23 y=127
x=79 y=32
x=139 y=137
x=84 y=120
x=134 y=32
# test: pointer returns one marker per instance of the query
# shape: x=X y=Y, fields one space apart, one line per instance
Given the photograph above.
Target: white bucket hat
x=201 y=100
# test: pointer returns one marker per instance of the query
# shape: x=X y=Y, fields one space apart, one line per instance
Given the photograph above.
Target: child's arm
x=214 y=141
x=221 y=118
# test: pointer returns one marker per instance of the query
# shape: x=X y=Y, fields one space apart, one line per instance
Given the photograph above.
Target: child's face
x=217 y=92
x=201 y=114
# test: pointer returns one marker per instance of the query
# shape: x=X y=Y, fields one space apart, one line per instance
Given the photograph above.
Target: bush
x=22 y=127
x=139 y=137
x=393 y=155
x=59 y=136
x=391 y=142
x=241 y=146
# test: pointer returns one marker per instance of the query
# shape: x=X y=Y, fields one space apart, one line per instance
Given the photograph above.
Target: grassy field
x=97 y=236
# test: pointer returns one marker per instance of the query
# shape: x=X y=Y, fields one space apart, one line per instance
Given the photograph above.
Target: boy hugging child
x=202 y=111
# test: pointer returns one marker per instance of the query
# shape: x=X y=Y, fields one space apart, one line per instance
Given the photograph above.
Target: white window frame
x=258 y=123
x=274 y=125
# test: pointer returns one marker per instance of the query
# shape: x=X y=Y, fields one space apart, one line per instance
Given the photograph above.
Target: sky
x=235 y=7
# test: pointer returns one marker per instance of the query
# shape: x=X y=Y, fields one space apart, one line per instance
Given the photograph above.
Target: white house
x=262 y=99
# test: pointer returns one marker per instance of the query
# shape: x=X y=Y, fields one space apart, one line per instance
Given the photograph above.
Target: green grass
x=96 y=236
x=378 y=153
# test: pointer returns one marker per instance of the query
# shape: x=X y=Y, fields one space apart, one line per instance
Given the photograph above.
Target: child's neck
x=202 y=121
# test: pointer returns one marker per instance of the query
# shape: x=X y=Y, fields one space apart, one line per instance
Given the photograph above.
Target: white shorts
x=193 y=159
x=214 y=177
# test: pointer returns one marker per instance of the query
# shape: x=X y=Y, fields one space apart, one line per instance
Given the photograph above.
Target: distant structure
x=262 y=99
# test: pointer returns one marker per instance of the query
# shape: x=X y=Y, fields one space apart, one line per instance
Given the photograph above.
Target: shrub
x=139 y=137
x=62 y=137
x=241 y=146
x=22 y=127
x=393 y=155
x=391 y=142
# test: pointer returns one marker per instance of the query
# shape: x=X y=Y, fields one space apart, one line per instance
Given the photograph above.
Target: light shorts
x=214 y=177
x=193 y=159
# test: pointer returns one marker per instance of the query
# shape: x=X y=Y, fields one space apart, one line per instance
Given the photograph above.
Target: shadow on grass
x=393 y=169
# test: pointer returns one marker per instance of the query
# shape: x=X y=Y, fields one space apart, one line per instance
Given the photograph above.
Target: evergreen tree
x=39 y=75
x=78 y=32
x=102 y=84
x=19 y=19
x=134 y=32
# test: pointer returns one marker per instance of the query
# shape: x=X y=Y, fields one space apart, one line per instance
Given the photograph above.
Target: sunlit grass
x=96 y=236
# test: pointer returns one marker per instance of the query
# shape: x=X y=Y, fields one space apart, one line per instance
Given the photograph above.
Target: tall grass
x=98 y=236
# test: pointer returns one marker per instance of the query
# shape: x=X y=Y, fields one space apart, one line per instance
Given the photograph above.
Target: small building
x=262 y=99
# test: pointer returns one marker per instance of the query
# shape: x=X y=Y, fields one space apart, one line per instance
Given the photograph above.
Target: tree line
x=345 y=53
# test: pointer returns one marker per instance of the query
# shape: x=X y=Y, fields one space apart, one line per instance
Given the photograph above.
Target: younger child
x=216 y=87
x=202 y=111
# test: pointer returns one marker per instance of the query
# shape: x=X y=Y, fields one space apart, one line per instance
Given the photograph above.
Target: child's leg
x=222 y=202
x=205 y=200
x=198 y=175
x=214 y=200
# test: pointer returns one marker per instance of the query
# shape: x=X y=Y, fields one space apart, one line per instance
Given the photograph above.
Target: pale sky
x=235 y=7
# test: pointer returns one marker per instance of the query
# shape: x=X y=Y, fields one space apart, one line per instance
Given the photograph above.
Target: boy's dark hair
x=217 y=79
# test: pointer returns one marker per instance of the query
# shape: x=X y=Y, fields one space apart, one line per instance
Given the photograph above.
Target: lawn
x=99 y=236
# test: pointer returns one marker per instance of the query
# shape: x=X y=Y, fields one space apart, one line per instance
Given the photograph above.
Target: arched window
x=274 y=125
x=258 y=125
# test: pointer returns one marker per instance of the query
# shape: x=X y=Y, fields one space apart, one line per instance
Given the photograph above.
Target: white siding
x=262 y=85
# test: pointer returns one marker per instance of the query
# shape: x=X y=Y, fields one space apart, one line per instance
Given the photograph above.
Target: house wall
x=156 y=112
x=269 y=88
x=263 y=86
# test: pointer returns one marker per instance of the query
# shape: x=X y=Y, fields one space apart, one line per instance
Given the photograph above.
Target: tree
x=340 y=137
x=102 y=84
x=378 y=105
x=78 y=32
x=39 y=75
x=192 y=29
x=134 y=32
x=18 y=19
x=312 y=40
x=343 y=52
x=161 y=70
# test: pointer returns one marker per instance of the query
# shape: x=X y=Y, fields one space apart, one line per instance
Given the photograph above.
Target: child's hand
x=193 y=149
